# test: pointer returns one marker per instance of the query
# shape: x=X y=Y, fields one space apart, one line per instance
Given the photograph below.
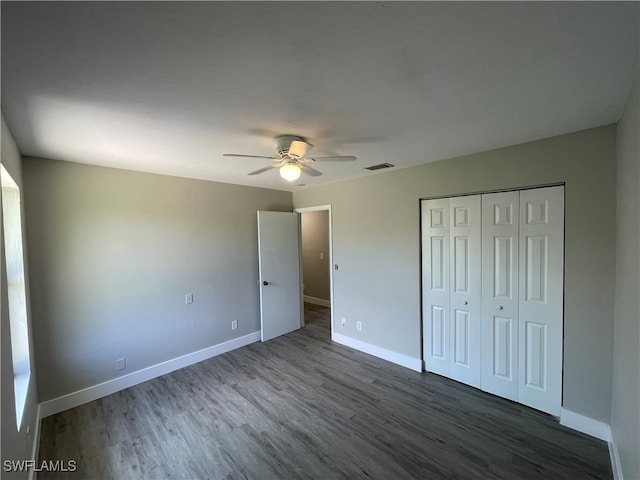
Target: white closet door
x=464 y=292
x=500 y=212
x=435 y=285
x=541 y=298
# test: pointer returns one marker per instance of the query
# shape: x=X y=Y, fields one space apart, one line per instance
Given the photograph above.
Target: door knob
x=465 y=303
x=500 y=307
x=265 y=282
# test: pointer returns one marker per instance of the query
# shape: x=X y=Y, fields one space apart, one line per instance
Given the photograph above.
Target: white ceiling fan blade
x=262 y=170
x=338 y=158
x=298 y=149
x=310 y=171
x=248 y=156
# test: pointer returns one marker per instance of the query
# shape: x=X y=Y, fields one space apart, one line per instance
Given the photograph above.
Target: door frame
x=320 y=208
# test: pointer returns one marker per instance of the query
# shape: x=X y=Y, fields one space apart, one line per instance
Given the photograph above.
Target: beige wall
x=625 y=401
x=376 y=242
x=114 y=252
x=315 y=240
x=17 y=443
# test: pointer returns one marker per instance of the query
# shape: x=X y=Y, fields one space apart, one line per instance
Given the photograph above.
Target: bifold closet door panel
x=435 y=285
x=541 y=298
x=500 y=220
x=465 y=297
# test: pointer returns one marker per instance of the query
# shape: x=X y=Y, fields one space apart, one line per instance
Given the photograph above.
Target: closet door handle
x=500 y=307
x=465 y=303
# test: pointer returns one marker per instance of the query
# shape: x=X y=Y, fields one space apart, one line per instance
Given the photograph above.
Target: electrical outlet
x=121 y=364
x=344 y=322
x=234 y=324
x=188 y=298
x=359 y=326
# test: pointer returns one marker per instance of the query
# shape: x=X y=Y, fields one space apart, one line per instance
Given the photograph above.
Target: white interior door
x=500 y=213
x=281 y=306
x=435 y=285
x=465 y=294
x=541 y=298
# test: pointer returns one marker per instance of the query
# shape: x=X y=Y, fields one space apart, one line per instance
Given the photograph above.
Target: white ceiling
x=168 y=87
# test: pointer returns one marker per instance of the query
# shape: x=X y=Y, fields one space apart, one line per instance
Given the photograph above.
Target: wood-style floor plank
x=303 y=407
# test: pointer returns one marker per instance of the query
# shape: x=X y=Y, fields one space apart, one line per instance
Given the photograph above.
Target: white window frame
x=14 y=265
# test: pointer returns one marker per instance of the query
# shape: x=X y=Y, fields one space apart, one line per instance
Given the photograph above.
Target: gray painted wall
x=315 y=240
x=16 y=445
x=625 y=402
x=376 y=242
x=114 y=252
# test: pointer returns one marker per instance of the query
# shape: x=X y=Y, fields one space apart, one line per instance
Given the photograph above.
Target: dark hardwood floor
x=301 y=406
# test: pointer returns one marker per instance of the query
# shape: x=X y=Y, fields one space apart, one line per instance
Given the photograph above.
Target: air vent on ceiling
x=380 y=166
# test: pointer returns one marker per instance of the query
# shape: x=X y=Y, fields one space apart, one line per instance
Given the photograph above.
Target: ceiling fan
x=291 y=158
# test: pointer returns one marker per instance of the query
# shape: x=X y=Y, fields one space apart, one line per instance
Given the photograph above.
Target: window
x=16 y=290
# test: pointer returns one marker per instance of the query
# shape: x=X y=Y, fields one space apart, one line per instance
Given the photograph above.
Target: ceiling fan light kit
x=290 y=171
x=291 y=159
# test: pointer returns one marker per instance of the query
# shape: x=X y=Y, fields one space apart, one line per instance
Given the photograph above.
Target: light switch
x=321 y=256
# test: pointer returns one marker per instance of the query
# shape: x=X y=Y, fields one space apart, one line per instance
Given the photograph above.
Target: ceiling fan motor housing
x=286 y=147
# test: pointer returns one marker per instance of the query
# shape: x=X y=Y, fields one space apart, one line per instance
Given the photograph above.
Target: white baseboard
x=393 y=357
x=596 y=429
x=317 y=301
x=615 y=460
x=56 y=405
x=587 y=425
x=35 y=448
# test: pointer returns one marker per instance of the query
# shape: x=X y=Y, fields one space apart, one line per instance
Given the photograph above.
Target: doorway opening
x=317 y=268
